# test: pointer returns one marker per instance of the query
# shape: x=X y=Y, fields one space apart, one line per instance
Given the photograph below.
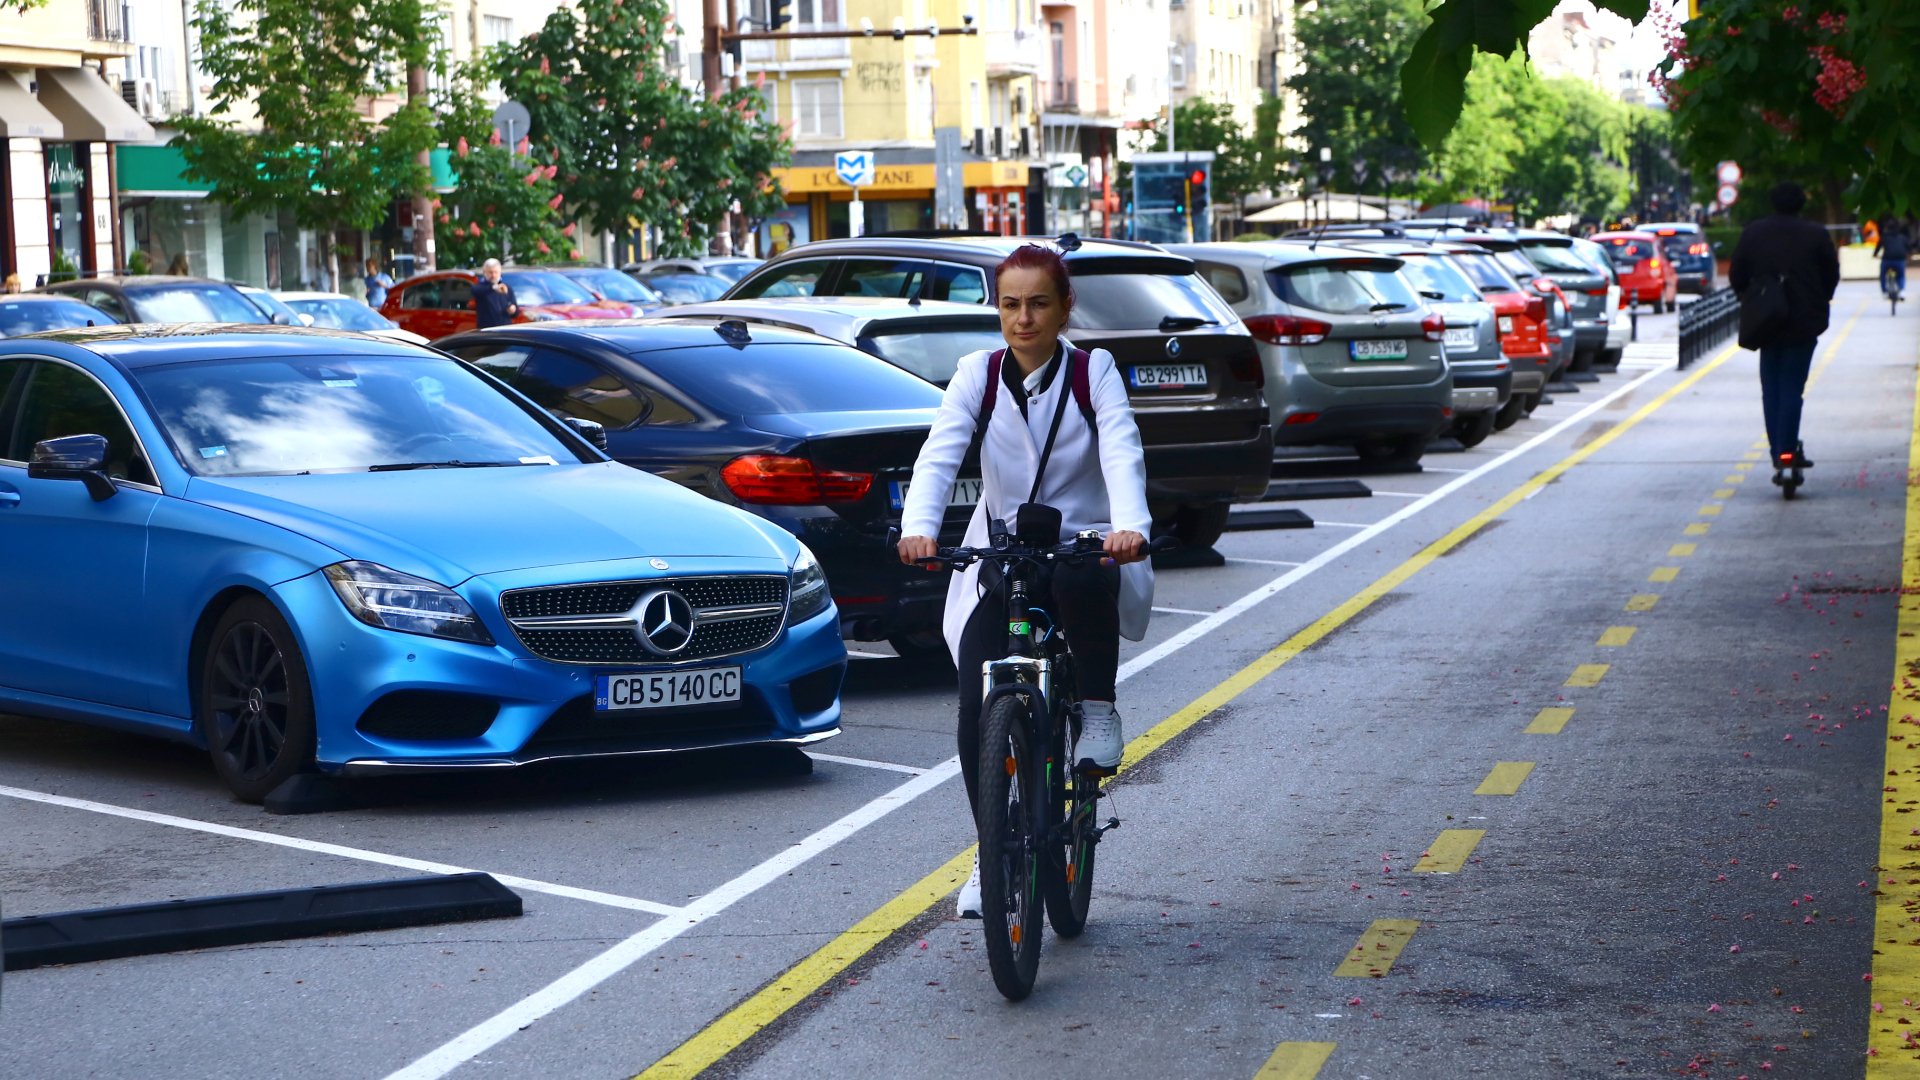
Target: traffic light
x=1197 y=191
x=779 y=14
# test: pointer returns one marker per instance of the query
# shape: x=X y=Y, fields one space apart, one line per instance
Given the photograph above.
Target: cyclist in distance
x=1094 y=473
x=1893 y=247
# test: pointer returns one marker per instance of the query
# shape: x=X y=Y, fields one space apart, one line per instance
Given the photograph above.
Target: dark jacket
x=1893 y=242
x=492 y=308
x=1790 y=245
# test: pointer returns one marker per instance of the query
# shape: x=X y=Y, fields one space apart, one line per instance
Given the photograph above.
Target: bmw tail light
x=1247 y=368
x=1288 y=329
x=1434 y=327
x=1537 y=308
x=778 y=480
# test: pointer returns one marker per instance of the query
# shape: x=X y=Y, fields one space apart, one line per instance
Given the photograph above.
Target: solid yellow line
x=721 y=1037
x=1616 y=636
x=1698 y=528
x=1664 y=574
x=1726 y=493
x=1373 y=956
x=1642 y=601
x=1550 y=721
x=1505 y=778
x=1588 y=675
x=1295 y=1061
x=1896 y=960
x=1681 y=551
x=1711 y=510
x=1448 y=854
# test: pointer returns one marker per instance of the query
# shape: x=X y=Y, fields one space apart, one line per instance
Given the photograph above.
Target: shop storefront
x=60 y=128
x=900 y=199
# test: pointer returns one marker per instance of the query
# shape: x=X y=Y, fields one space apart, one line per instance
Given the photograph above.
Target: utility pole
x=423 y=249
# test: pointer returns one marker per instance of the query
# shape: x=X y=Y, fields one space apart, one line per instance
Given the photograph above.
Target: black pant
x=1783 y=384
x=1085 y=602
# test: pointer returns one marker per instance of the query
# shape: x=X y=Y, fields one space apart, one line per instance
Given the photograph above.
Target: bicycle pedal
x=1097 y=772
x=1112 y=824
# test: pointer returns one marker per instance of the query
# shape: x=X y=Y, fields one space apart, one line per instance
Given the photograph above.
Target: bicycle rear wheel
x=1009 y=816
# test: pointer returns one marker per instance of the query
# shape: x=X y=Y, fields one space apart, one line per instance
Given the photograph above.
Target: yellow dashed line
x=1754 y=455
x=1550 y=721
x=1727 y=493
x=1681 y=551
x=1711 y=510
x=1744 y=466
x=1505 y=778
x=1295 y=1061
x=1377 y=949
x=1616 y=636
x=1642 y=601
x=1448 y=854
x=1734 y=478
x=1760 y=445
x=1698 y=528
x=1587 y=675
x=1665 y=573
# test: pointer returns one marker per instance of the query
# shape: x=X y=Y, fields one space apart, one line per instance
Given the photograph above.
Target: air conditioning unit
x=142 y=97
x=999 y=142
x=1025 y=149
x=979 y=142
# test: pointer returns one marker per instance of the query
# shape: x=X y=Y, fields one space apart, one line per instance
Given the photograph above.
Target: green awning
x=162 y=170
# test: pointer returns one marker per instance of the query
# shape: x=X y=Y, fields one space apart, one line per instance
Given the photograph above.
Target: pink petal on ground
x=1713 y=1008
x=1354 y=1001
x=1733 y=948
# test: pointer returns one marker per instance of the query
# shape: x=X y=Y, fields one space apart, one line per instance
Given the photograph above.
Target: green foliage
x=1350 y=93
x=1821 y=92
x=307 y=68
x=630 y=144
x=62 y=268
x=1253 y=237
x=1244 y=162
x=1434 y=80
x=503 y=206
x=139 y=262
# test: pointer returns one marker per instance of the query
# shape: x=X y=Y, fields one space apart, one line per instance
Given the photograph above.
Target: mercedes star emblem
x=1173 y=346
x=664 y=622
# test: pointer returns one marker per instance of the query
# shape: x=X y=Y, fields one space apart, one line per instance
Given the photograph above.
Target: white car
x=728 y=268
x=341 y=312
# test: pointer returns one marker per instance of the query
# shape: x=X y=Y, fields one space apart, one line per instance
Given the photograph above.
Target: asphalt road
x=1562 y=756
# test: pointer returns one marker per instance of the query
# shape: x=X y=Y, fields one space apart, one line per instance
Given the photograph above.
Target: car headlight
x=392 y=600
x=808 y=595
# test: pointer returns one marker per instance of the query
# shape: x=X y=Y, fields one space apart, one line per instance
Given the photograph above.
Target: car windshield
x=315 y=414
x=932 y=354
x=1432 y=273
x=1485 y=272
x=614 y=285
x=544 y=287
x=1554 y=258
x=342 y=313
x=1345 y=287
x=730 y=272
x=1595 y=257
x=687 y=288
x=1627 y=250
x=1517 y=265
x=1111 y=295
x=32 y=316
x=272 y=305
x=192 y=303
x=779 y=378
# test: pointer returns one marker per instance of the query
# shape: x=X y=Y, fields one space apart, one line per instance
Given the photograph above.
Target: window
x=816 y=108
x=59 y=401
x=817 y=12
x=1353 y=287
x=1226 y=280
x=496 y=30
x=108 y=302
x=793 y=279
x=1129 y=294
x=422 y=295
x=578 y=387
x=902 y=278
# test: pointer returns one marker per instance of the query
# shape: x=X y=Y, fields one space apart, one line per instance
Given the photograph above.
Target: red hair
x=1039 y=257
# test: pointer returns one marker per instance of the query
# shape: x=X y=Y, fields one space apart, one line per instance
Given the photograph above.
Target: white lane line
x=865 y=763
x=1181 y=611
x=492 y=1031
x=1234 y=610
x=858 y=655
x=1263 y=562
x=1437 y=468
x=320 y=848
x=1341 y=524
x=1400 y=494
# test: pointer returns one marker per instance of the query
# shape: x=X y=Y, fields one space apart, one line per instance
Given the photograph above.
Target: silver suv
x=1353 y=354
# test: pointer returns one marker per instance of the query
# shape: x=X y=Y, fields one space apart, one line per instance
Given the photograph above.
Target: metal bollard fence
x=1707 y=322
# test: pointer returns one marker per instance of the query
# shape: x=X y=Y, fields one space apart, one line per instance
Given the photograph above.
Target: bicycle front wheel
x=1069 y=882
x=1009 y=816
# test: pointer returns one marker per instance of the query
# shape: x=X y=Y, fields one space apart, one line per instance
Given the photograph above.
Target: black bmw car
x=813 y=435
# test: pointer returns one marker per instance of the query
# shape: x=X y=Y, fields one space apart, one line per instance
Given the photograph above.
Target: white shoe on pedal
x=969 y=905
x=1099 y=745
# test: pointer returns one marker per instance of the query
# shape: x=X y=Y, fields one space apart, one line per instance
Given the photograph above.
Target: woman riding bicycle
x=1039 y=446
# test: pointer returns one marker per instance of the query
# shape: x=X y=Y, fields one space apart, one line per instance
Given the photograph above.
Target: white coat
x=1095 y=481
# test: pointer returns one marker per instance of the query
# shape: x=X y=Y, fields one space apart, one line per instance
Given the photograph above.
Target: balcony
x=1012 y=53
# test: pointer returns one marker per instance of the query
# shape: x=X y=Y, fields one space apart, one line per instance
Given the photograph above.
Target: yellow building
x=893 y=95
x=61 y=118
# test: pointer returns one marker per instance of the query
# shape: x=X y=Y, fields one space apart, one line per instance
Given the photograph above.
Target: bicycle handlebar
x=1087 y=545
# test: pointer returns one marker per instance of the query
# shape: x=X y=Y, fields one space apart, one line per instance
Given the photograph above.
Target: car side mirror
x=74 y=457
x=595 y=433
x=280 y=318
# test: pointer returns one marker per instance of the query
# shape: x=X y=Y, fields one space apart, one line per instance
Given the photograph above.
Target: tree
x=307 y=69
x=1478 y=156
x=1573 y=156
x=504 y=204
x=1350 y=92
x=1241 y=165
x=629 y=142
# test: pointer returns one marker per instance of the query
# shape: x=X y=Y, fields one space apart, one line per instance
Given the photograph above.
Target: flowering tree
x=503 y=206
x=1786 y=88
x=629 y=143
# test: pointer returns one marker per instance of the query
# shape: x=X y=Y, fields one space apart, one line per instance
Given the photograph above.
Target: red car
x=1646 y=274
x=435 y=305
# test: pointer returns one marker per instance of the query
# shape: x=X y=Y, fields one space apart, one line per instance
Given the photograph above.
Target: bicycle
x=1037 y=816
x=1889 y=287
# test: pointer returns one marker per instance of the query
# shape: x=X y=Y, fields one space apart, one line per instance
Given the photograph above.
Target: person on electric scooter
x=1786 y=270
x=1084 y=460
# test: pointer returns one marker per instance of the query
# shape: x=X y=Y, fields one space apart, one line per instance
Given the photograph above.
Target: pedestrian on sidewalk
x=378 y=281
x=493 y=302
x=1786 y=270
x=1893 y=250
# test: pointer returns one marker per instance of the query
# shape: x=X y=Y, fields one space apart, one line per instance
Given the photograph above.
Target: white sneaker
x=969 y=905
x=1099 y=745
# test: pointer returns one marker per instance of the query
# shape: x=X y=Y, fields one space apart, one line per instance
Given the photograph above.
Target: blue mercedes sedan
x=312 y=550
